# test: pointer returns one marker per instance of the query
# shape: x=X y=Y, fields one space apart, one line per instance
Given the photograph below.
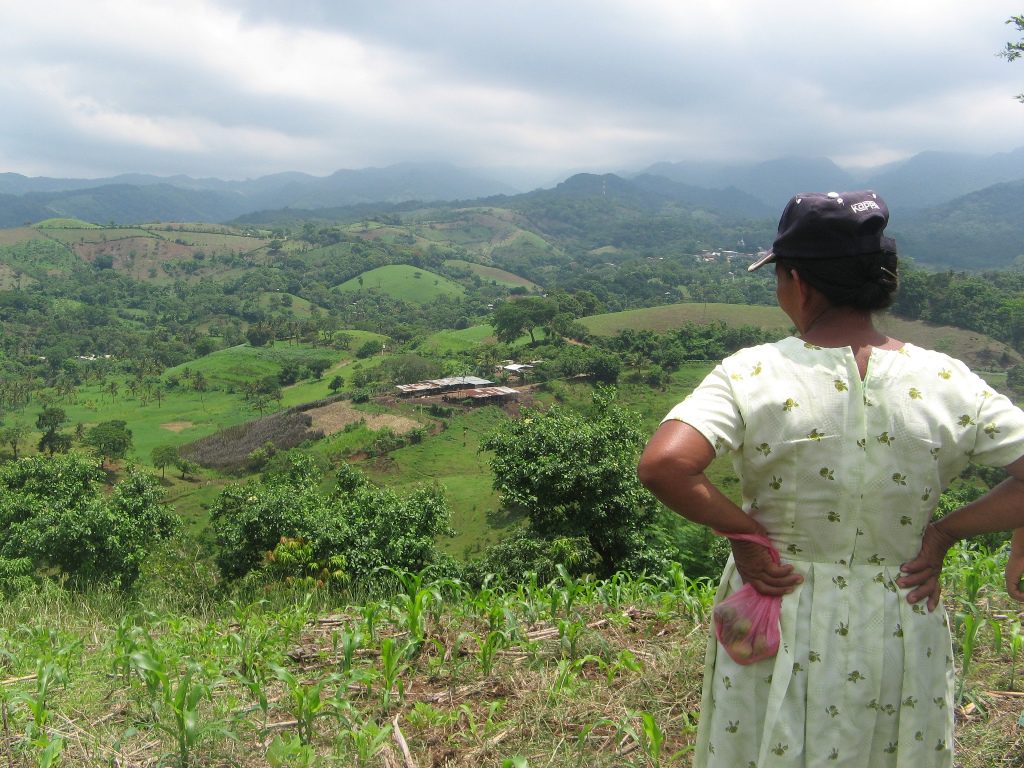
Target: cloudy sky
x=527 y=90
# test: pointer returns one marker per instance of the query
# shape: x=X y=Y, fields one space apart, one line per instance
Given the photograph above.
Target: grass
x=452 y=459
x=405 y=283
x=493 y=274
x=575 y=672
x=671 y=316
x=450 y=342
x=976 y=349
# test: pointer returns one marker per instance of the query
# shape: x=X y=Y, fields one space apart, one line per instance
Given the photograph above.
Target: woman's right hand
x=756 y=567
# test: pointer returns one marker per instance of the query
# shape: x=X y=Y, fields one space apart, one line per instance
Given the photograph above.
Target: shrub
x=356 y=528
x=55 y=512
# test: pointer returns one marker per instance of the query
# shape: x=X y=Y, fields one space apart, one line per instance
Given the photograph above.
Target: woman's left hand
x=923 y=572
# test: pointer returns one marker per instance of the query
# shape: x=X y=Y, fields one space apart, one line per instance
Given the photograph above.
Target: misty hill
x=924 y=180
x=772 y=182
x=133 y=198
x=933 y=178
x=982 y=230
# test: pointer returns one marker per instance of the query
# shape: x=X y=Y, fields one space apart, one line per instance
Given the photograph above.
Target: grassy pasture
x=299 y=307
x=976 y=349
x=235 y=366
x=452 y=459
x=65 y=223
x=671 y=316
x=444 y=342
x=401 y=282
x=493 y=274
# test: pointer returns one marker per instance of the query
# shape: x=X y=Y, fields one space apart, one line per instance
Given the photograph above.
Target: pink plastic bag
x=747 y=622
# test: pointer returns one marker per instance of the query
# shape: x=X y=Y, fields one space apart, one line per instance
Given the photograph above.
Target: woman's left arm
x=1001 y=509
x=672 y=467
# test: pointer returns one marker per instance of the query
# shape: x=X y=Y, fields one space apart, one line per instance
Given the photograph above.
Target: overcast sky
x=526 y=90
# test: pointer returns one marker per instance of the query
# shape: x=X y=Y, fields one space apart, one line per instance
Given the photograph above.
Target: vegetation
x=488 y=583
x=562 y=672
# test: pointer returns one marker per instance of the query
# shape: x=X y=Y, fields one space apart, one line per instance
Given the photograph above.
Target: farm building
x=483 y=395
x=437 y=386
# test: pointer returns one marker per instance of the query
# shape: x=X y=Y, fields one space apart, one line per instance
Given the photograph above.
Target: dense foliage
x=574 y=475
x=349 y=532
x=56 y=514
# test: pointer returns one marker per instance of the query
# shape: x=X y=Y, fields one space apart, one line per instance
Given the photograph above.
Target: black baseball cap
x=830 y=225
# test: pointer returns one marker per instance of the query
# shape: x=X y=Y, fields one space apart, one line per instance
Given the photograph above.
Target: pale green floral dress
x=844 y=474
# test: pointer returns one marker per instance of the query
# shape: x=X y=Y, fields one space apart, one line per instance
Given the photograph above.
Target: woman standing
x=843 y=439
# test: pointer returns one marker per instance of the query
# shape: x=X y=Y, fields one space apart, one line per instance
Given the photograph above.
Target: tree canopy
x=574 y=474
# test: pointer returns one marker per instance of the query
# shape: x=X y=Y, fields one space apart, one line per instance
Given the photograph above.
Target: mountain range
x=948 y=209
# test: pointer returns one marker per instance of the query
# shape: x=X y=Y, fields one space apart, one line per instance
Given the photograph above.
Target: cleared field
x=976 y=349
x=670 y=316
x=404 y=282
x=336 y=416
x=13 y=235
x=458 y=341
x=493 y=274
x=230 y=368
x=92 y=234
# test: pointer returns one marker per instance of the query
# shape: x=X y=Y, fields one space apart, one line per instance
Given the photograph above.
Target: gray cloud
x=242 y=88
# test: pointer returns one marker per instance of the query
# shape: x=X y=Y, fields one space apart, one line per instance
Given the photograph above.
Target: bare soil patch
x=177 y=426
x=334 y=417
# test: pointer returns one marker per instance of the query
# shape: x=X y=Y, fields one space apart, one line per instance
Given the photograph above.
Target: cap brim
x=766 y=259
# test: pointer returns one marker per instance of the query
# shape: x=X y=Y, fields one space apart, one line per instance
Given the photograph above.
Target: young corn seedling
x=1016 y=641
x=366 y=739
x=393 y=666
x=307 y=701
x=183 y=696
x=287 y=751
x=970 y=623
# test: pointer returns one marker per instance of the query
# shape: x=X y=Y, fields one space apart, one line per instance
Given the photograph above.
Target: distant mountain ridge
x=25 y=199
x=924 y=180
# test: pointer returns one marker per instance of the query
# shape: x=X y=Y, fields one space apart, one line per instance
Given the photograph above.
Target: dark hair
x=867 y=282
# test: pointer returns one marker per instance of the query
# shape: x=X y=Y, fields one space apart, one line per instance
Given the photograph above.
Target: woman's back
x=846 y=471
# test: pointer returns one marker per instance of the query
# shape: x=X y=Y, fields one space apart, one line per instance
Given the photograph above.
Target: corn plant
x=183 y=695
x=393 y=666
x=479 y=729
x=569 y=634
x=488 y=649
x=1016 y=641
x=307 y=701
x=970 y=623
x=287 y=751
x=366 y=738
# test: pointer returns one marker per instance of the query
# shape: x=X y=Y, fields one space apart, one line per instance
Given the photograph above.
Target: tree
x=49 y=422
x=1014 y=51
x=186 y=467
x=513 y=318
x=110 y=439
x=358 y=527
x=12 y=436
x=164 y=456
x=336 y=383
x=574 y=475
x=57 y=512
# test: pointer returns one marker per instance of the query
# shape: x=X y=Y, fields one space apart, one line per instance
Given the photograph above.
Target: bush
x=56 y=513
x=355 y=529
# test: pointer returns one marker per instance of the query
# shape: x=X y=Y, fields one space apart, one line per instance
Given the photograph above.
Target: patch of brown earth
x=334 y=418
x=177 y=426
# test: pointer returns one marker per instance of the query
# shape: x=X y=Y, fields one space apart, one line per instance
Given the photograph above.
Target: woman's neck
x=844 y=327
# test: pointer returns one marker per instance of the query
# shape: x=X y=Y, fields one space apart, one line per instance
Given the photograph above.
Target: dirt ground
x=333 y=418
x=176 y=426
